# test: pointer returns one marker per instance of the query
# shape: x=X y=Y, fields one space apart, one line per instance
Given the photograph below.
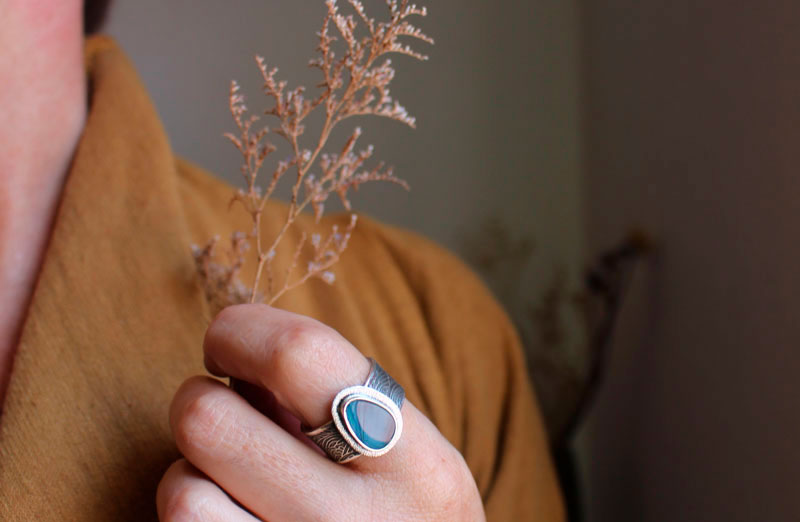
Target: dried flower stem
x=353 y=85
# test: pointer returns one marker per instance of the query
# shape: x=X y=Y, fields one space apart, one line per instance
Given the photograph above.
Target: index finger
x=302 y=361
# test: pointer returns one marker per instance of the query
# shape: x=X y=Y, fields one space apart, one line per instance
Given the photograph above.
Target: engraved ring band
x=366 y=419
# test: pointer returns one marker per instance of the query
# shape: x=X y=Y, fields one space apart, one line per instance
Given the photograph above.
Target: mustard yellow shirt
x=118 y=317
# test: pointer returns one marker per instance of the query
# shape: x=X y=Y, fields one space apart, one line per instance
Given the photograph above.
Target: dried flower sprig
x=355 y=84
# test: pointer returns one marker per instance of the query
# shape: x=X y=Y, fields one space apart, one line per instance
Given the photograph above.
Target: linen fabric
x=117 y=321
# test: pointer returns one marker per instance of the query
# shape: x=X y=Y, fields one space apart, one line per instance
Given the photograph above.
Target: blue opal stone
x=370 y=423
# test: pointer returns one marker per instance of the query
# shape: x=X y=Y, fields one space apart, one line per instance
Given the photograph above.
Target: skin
x=248 y=450
x=43 y=107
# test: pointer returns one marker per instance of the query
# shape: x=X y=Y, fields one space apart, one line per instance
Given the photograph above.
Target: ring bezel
x=364 y=393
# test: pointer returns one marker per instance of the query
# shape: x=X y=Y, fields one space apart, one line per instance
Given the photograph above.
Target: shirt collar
x=115 y=302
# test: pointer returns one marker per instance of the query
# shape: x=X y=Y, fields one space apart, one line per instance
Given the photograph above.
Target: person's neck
x=43 y=105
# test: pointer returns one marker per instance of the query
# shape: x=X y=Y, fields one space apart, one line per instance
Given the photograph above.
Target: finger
x=265 y=402
x=305 y=364
x=270 y=472
x=302 y=361
x=185 y=494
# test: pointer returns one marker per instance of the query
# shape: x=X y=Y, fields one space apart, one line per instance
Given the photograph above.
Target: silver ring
x=366 y=419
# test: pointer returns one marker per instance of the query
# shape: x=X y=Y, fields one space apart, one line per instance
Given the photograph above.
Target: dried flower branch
x=355 y=84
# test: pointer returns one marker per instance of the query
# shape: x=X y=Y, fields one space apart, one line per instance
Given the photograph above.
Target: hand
x=264 y=462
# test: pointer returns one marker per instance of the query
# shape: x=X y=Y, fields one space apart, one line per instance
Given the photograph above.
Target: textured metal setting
x=335 y=437
x=381 y=381
x=328 y=438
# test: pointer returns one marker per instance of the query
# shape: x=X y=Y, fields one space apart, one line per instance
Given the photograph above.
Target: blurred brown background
x=692 y=129
x=560 y=125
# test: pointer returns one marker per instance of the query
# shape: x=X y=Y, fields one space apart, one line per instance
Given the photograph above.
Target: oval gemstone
x=370 y=423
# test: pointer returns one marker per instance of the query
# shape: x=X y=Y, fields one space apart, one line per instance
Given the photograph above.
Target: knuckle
x=202 y=423
x=450 y=484
x=175 y=473
x=187 y=504
x=442 y=489
x=449 y=475
x=300 y=344
x=176 y=499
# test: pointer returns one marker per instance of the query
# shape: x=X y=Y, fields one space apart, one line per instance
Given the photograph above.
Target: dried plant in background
x=354 y=84
x=566 y=376
x=556 y=359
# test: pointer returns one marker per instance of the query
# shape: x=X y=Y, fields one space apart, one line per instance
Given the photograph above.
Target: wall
x=693 y=131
